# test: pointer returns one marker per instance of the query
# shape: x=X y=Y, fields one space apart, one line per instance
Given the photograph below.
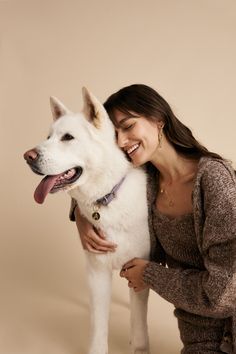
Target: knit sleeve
x=210 y=292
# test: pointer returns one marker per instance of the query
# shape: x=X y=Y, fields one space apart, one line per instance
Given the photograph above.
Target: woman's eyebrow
x=126 y=118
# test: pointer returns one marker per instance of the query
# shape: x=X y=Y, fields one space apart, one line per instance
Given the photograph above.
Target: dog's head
x=75 y=147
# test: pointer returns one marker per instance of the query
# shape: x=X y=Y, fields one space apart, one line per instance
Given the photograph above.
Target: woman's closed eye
x=128 y=127
x=124 y=128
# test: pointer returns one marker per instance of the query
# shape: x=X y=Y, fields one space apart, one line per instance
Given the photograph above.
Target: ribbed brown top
x=178 y=230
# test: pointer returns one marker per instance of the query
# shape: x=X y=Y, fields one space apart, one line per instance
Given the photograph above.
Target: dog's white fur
x=124 y=221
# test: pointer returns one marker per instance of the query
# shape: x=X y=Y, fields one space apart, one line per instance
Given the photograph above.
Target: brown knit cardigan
x=210 y=292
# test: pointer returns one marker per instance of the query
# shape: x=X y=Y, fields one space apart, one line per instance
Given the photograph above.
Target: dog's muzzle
x=50 y=183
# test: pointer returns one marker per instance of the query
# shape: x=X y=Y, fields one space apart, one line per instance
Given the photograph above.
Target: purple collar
x=110 y=196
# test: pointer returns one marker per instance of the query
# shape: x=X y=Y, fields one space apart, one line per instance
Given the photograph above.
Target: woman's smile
x=131 y=150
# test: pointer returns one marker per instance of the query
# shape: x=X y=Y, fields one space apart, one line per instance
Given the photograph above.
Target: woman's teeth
x=134 y=147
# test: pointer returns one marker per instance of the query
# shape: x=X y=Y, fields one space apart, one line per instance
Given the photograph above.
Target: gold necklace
x=170 y=202
x=163 y=190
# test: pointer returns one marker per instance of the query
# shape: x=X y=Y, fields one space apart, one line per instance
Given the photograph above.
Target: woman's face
x=137 y=136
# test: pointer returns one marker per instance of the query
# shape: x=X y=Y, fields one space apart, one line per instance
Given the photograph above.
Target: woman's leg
x=200 y=335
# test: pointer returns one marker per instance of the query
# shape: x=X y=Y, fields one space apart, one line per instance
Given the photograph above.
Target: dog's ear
x=58 y=108
x=93 y=109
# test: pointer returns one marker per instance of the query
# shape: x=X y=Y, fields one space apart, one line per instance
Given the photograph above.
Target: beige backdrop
x=183 y=48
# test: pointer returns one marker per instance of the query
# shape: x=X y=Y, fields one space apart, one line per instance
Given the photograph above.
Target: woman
x=192 y=220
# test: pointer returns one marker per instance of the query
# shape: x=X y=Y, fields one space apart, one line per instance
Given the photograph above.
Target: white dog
x=81 y=156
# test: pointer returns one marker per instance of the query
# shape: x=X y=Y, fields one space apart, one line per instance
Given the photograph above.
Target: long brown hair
x=145 y=101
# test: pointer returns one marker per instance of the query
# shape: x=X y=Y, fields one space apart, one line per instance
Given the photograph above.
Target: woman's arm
x=92 y=240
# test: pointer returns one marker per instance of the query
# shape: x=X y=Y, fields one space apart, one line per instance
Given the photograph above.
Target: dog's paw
x=143 y=349
x=140 y=350
x=97 y=351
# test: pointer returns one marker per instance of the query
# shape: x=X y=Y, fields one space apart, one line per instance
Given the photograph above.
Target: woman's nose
x=121 y=139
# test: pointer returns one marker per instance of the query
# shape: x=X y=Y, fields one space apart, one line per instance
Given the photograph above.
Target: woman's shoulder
x=215 y=188
x=214 y=171
x=210 y=166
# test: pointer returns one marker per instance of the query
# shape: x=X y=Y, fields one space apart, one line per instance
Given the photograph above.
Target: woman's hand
x=133 y=272
x=92 y=240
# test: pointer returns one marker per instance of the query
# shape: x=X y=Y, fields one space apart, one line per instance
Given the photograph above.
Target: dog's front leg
x=99 y=279
x=139 y=328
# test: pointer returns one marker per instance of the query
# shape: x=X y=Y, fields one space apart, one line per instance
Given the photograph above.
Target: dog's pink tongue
x=44 y=188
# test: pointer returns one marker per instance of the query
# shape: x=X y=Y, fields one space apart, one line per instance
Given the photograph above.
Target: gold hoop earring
x=160 y=136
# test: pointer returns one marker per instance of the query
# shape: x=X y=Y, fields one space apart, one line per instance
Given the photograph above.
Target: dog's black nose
x=31 y=155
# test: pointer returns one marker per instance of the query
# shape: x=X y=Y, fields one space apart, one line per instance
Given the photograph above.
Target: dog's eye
x=67 y=137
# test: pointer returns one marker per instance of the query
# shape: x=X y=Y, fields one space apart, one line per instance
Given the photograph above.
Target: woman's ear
x=160 y=124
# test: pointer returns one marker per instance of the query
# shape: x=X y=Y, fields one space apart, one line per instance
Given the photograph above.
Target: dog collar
x=104 y=201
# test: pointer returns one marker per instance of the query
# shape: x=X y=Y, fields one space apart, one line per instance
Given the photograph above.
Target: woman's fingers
x=99 y=233
x=100 y=244
x=91 y=249
x=129 y=264
x=94 y=240
x=124 y=273
x=97 y=246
